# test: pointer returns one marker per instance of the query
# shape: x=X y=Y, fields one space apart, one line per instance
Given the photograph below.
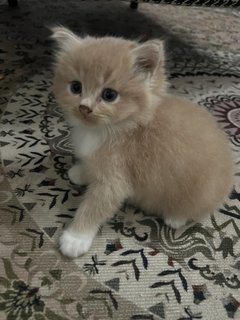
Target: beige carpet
x=137 y=267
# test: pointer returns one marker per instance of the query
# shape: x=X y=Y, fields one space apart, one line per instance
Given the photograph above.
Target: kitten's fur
x=159 y=151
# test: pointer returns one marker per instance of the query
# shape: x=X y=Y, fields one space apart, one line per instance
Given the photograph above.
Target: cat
x=134 y=141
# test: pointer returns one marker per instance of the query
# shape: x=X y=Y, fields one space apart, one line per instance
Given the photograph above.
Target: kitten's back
x=180 y=156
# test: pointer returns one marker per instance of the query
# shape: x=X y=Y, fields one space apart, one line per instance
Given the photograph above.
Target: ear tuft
x=64 y=37
x=148 y=56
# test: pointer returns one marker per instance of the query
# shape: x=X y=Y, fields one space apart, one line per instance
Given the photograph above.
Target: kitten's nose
x=85 y=110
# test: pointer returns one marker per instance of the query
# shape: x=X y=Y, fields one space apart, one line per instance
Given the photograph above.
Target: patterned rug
x=137 y=267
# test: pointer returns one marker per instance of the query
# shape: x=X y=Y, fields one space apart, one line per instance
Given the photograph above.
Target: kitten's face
x=102 y=81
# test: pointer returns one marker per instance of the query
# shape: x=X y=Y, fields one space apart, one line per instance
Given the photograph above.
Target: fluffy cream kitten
x=135 y=142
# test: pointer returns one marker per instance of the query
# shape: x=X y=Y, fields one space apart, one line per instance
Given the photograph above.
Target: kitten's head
x=108 y=81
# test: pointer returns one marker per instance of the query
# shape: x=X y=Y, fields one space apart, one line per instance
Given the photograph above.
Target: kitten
x=134 y=140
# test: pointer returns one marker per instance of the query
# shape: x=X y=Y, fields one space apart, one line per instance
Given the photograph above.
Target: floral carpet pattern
x=137 y=268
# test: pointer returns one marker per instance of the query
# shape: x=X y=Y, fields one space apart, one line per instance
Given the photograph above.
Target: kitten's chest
x=86 y=141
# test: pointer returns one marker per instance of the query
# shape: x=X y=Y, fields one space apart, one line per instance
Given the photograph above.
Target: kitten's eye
x=109 y=95
x=76 y=87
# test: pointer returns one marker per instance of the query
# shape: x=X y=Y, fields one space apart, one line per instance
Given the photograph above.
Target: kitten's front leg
x=100 y=202
x=77 y=174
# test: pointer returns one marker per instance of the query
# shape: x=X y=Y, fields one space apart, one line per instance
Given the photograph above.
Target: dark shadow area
x=29 y=22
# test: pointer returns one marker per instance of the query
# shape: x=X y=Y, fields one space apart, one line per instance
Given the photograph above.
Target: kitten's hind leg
x=77 y=174
x=175 y=223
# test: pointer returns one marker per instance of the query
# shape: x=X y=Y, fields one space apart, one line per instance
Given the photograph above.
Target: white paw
x=74 y=174
x=74 y=245
x=175 y=223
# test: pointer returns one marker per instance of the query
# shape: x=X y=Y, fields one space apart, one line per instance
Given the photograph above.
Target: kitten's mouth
x=84 y=110
x=81 y=116
x=86 y=118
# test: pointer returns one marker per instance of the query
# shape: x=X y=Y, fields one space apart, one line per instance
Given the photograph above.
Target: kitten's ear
x=148 y=56
x=64 y=37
